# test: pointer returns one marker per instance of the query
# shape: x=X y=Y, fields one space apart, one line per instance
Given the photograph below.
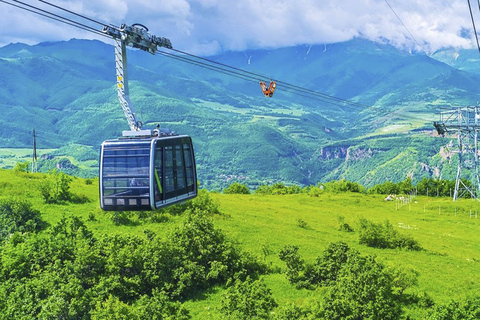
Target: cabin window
x=125 y=175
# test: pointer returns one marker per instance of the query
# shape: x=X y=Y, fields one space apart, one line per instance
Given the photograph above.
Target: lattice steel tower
x=465 y=121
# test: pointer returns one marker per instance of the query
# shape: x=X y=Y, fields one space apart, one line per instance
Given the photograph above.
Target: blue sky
x=212 y=26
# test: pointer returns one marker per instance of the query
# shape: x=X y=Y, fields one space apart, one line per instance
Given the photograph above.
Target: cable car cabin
x=147 y=173
x=268 y=92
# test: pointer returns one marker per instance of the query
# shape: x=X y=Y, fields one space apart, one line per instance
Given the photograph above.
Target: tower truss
x=465 y=122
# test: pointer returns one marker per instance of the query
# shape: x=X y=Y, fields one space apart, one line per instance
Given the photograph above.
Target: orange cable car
x=268 y=92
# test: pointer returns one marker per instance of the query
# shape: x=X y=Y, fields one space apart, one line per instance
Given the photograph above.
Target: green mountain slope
x=66 y=92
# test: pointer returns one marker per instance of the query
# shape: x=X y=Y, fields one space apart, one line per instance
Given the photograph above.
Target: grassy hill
x=66 y=92
x=263 y=225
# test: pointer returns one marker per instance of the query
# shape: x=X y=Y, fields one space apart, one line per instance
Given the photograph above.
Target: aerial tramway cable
x=293 y=88
x=202 y=62
x=194 y=60
x=53 y=16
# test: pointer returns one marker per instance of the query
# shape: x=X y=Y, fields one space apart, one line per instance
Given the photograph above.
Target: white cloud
x=209 y=26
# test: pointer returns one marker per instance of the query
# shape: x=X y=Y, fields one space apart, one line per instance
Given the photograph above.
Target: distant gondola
x=146 y=173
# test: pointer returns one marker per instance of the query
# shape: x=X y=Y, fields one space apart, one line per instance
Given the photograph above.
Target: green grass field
x=448 y=231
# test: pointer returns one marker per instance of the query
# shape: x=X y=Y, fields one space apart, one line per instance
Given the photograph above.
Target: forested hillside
x=66 y=92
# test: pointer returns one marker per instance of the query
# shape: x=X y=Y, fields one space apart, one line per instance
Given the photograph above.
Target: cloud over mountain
x=211 y=26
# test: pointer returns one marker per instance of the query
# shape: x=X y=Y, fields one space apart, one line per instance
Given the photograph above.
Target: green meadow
x=262 y=225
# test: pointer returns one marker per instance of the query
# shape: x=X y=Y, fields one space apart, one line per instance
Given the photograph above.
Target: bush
x=338 y=186
x=326 y=268
x=316 y=191
x=278 y=189
x=18 y=215
x=248 y=300
x=236 y=188
x=21 y=167
x=290 y=312
x=159 y=306
x=113 y=309
x=387 y=187
x=55 y=187
x=264 y=190
x=356 y=287
x=467 y=309
x=302 y=224
x=295 y=265
x=343 y=226
x=123 y=218
x=384 y=236
x=203 y=203
x=69 y=273
x=363 y=289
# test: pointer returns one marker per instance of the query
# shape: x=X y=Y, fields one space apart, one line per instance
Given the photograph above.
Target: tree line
x=431 y=187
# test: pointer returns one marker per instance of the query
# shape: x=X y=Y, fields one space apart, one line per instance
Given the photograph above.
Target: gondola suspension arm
x=135 y=36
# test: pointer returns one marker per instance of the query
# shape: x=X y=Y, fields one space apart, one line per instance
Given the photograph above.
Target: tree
x=405 y=186
x=387 y=187
x=236 y=188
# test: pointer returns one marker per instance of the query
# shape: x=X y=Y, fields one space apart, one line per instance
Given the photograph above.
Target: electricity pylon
x=465 y=121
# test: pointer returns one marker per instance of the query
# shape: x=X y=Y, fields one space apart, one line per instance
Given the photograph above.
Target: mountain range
x=66 y=91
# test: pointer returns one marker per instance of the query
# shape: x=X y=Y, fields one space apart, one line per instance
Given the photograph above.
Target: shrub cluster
x=67 y=273
x=335 y=186
x=236 y=188
x=427 y=186
x=384 y=236
x=466 y=309
x=249 y=299
x=278 y=189
x=18 y=215
x=338 y=186
x=356 y=286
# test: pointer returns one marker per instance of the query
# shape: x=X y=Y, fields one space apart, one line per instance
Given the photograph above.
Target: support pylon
x=465 y=121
